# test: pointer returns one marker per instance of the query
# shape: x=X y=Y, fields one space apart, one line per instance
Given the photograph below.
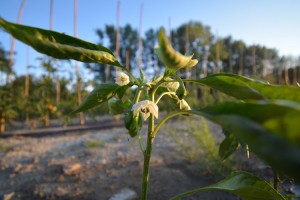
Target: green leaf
x=228 y=146
x=117 y=106
x=247 y=89
x=172 y=60
x=278 y=117
x=243 y=184
x=284 y=92
x=101 y=94
x=251 y=124
x=59 y=45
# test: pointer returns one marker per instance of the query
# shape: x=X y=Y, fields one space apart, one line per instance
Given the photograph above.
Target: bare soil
x=107 y=161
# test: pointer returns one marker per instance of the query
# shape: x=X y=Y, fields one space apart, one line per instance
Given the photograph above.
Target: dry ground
x=106 y=161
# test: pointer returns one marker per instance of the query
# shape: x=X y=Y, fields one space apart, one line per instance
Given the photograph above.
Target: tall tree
x=13 y=40
x=218 y=54
x=228 y=65
x=7 y=101
x=5 y=69
x=129 y=43
x=78 y=85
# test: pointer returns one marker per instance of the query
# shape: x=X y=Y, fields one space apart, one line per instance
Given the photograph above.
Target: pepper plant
x=265 y=118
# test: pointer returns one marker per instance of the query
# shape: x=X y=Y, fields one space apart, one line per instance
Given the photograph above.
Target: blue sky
x=274 y=23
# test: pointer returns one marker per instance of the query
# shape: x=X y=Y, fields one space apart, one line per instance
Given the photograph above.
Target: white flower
x=183 y=105
x=145 y=108
x=122 y=78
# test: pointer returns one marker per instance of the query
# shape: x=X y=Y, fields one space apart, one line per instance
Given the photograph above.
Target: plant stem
x=147 y=156
x=165 y=93
x=168 y=117
x=152 y=93
x=275 y=179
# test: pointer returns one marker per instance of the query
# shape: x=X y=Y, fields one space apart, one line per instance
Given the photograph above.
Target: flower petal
x=136 y=108
x=153 y=109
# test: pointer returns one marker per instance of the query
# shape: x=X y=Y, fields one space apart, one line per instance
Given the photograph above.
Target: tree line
x=33 y=99
x=215 y=54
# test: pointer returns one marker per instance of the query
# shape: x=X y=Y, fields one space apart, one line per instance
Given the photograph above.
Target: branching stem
x=163 y=94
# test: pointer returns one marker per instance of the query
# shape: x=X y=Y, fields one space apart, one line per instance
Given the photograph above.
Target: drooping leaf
x=247 y=89
x=59 y=45
x=270 y=91
x=279 y=149
x=172 y=59
x=101 y=94
x=278 y=117
x=228 y=146
x=243 y=184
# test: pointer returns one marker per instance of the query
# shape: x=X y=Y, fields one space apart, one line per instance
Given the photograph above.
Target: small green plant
x=4 y=148
x=197 y=145
x=94 y=144
x=264 y=119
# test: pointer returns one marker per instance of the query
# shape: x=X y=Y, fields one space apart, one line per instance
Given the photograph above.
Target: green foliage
x=228 y=146
x=278 y=117
x=100 y=94
x=197 y=145
x=4 y=148
x=94 y=144
x=7 y=103
x=265 y=121
x=243 y=184
x=247 y=89
x=279 y=149
x=59 y=45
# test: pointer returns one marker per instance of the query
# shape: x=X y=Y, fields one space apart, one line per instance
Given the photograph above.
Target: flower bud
x=172 y=59
x=132 y=123
x=122 y=78
x=183 y=105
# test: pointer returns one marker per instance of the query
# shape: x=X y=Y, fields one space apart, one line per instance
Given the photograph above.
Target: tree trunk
x=127 y=60
x=47 y=119
x=2 y=123
x=79 y=99
x=107 y=73
x=205 y=64
x=13 y=41
x=57 y=90
x=286 y=74
x=187 y=48
x=241 y=62
x=295 y=75
x=26 y=92
x=217 y=58
x=279 y=74
x=140 y=39
x=254 y=61
x=229 y=60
